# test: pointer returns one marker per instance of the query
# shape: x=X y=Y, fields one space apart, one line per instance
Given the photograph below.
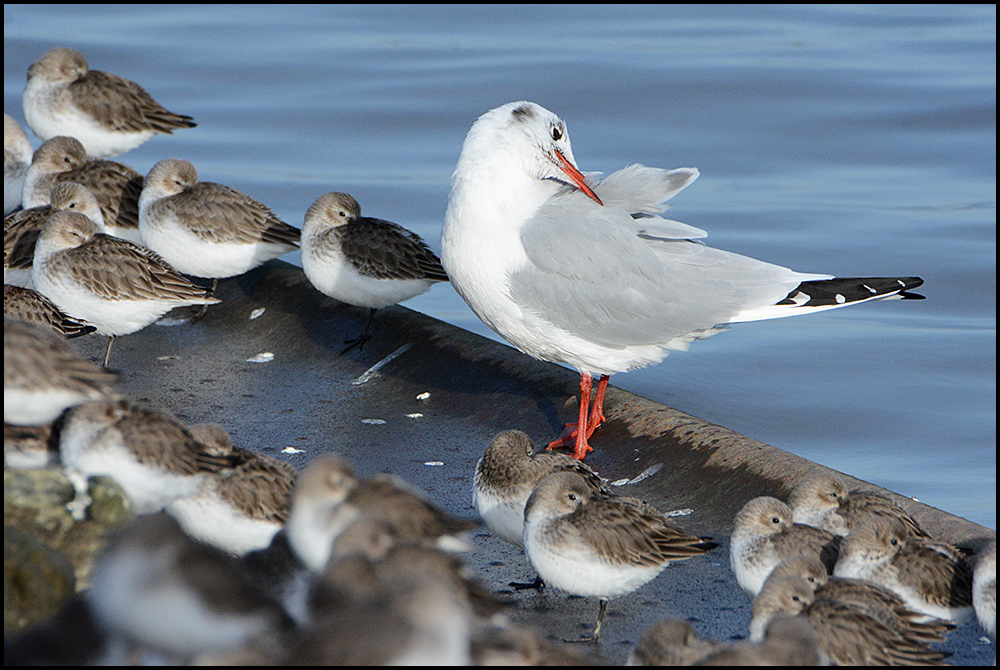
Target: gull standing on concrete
x=591 y=544
x=590 y=275
x=363 y=261
x=206 y=229
x=17 y=153
x=115 y=185
x=108 y=114
x=115 y=285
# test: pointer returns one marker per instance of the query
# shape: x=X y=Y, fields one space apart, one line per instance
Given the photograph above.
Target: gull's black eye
x=556 y=133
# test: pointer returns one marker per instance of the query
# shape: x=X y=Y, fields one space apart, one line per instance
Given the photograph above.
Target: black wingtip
x=905 y=295
x=910 y=282
x=846 y=290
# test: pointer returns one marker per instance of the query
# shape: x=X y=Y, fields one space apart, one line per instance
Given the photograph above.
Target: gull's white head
x=514 y=160
x=520 y=139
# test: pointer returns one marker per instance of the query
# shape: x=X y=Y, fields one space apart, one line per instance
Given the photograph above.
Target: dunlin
x=872 y=599
x=369 y=553
x=107 y=113
x=846 y=634
x=591 y=544
x=788 y=641
x=29 y=305
x=931 y=577
x=504 y=644
x=238 y=509
x=116 y=186
x=826 y=502
x=363 y=261
x=206 y=229
x=505 y=477
x=21 y=229
x=415 y=619
x=764 y=535
x=328 y=497
x=507 y=474
x=984 y=590
x=278 y=572
x=176 y=598
x=16 y=159
x=43 y=375
x=29 y=447
x=672 y=642
x=151 y=454
x=115 y=285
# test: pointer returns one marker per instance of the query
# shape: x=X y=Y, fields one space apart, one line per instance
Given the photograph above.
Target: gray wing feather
x=594 y=272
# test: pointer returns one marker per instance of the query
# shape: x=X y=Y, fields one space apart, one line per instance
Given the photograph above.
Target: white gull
x=590 y=275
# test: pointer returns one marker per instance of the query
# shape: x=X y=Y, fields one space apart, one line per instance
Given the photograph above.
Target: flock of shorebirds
x=237 y=557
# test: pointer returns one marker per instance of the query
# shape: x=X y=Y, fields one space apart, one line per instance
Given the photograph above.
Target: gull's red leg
x=572 y=435
x=581 y=448
x=597 y=413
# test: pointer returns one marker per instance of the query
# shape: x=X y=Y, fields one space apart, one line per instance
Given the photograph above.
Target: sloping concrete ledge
x=309 y=400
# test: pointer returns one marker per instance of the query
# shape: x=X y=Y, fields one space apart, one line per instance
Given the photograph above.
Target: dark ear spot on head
x=523 y=112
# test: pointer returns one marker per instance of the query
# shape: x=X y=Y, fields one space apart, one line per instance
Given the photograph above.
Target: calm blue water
x=848 y=140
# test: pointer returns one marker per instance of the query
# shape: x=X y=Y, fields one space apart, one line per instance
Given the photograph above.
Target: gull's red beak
x=577 y=178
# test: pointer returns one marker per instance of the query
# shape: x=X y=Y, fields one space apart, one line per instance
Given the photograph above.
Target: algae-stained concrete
x=422 y=400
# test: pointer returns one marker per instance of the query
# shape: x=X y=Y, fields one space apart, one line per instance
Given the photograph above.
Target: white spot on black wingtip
x=840 y=299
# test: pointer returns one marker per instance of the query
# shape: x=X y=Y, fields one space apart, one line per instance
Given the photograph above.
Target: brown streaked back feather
x=124 y=105
x=616 y=526
x=120 y=270
x=222 y=214
x=30 y=305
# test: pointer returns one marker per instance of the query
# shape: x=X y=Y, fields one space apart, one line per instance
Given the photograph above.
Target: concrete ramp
x=422 y=400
